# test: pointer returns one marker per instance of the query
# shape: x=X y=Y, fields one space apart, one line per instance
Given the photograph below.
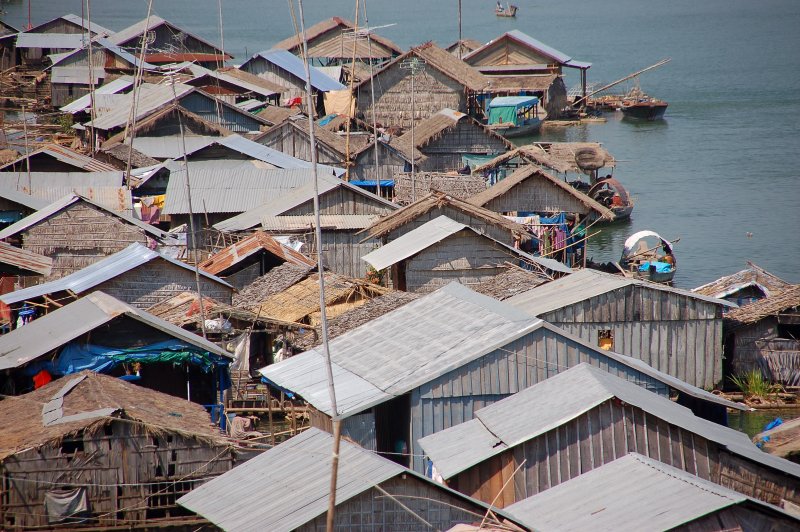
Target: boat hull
x=525 y=130
x=655 y=277
x=645 y=111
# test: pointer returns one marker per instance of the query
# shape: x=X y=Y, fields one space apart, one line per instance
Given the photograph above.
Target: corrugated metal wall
x=454 y=397
x=208 y=109
x=674 y=333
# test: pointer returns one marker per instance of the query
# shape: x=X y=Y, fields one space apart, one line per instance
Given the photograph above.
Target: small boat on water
x=648 y=256
x=637 y=104
x=508 y=11
x=514 y=116
x=611 y=194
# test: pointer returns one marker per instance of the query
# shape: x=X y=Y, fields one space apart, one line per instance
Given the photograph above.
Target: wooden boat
x=508 y=11
x=637 y=104
x=648 y=256
x=514 y=116
x=610 y=193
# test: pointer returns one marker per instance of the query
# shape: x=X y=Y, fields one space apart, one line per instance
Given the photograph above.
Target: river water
x=720 y=172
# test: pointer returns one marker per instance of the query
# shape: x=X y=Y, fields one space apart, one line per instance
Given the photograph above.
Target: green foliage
x=65 y=121
x=753 y=384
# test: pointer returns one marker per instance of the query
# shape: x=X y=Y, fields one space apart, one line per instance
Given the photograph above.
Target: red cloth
x=41 y=378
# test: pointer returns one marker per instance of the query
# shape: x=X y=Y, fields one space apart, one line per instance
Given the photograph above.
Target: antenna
x=415 y=65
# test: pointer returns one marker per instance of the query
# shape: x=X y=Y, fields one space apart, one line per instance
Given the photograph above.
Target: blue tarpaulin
x=371 y=183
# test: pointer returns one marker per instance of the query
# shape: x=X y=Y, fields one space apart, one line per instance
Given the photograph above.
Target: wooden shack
x=636 y=493
x=765 y=336
x=104 y=454
x=675 y=331
x=445 y=83
x=532 y=190
x=584 y=417
x=372 y=493
x=136 y=275
x=431 y=363
x=345 y=210
x=331 y=42
x=76 y=232
x=438 y=203
x=8 y=52
x=61 y=34
x=746 y=286
x=443 y=250
x=168 y=43
x=444 y=138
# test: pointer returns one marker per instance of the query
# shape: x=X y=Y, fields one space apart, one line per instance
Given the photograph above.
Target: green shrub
x=753 y=384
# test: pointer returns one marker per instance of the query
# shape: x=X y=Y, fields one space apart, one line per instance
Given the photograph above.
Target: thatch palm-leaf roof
x=437 y=199
x=753 y=275
x=786 y=300
x=22 y=425
x=274 y=281
x=561 y=157
x=321 y=28
x=527 y=172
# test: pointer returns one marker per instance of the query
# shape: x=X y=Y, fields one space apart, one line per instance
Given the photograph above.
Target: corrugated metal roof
x=86 y=24
x=44 y=180
x=229 y=190
x=327 y=221
x=631 y=493
x=115 y=199
x=564 y=397
x=171 y=147
x=251 y=105
x=112 y=266
x=69 y=322
x=403 y=349
x=66 y=201
x=199 y=71
x=24 y=259
x=298 y=480
x=150 y=97
x=66 y=155
x=223 y=261
x=76 y=75
x=279 y=204
x=435 y=231
x=585 y=284
x=62 y=41
x=294 y=65
x=85 y=101
x=22 y=198
x=134 y=30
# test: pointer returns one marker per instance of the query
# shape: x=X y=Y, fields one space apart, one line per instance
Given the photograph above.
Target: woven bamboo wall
x=456 y=185
x=342 y=201
x=78 y=236
x=537 y=194
x=158 y=280
x=444 y=153
x=289 y=140
x=120 y=468
x=433 y=91
x=610 y=431
x=464 y=257
x=390 y=163
x=492 y=231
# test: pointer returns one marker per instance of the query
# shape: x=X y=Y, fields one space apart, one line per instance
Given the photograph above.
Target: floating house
x=136 y=275
x=443 y=250
x=443 y=139
x=345 y=210
x=637 y=493
x=253 y=256
x=675 y=331
x=585 y=417
x=60 y=35
x=76 y=232
x=95 y=452
x=445 y=83
x=101 y=333
x=371 y=493
x=518 y=57
x=436 y=204
x=532 y=190
x=765 y=336
x=747 y=286
x=235 y=86
x=431 y=363
x=168 y=43
x=332 y=42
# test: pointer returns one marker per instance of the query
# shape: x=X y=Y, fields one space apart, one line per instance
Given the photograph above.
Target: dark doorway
x=393 y=429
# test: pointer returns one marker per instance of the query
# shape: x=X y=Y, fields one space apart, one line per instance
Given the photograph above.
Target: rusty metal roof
x=23 y=259
x=222 y=263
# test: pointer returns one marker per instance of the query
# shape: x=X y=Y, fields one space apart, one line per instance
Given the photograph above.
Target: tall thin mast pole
x=460 y=44
x=413 y=143
x=372 y=96
x=350 y=100
x=27 y=151
x=337 y=429
x=137 y=78
x=92 y=111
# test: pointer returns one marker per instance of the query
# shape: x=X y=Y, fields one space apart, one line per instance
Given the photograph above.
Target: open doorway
x=393 y=429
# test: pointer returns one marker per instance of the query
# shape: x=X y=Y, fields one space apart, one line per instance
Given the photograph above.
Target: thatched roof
x=225 y=261
x=335 y=143
x=512 y=281
x=184 y=309
x=788 y=299
x=252 y=79
x=274 y=281
x=275 y=115
x=446 y=63
x=466 y=46
x=437 y=200
x=751 y=276
x=169 y=112
x=527 y=172
x=321 y=28
x=374 y=308
x=434 y=127
x=120 y=152
x=512 y=84
x=561 y=157
x=21 y=417
x=299 y=303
